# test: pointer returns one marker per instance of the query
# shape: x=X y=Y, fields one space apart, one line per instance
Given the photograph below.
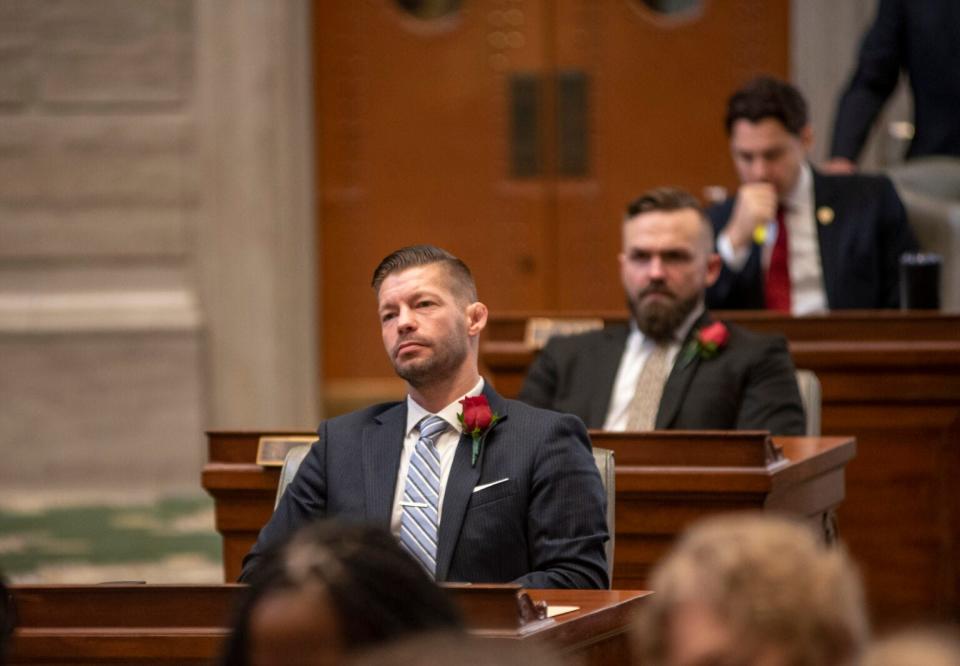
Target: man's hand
x=839 y=166
x=755 y=206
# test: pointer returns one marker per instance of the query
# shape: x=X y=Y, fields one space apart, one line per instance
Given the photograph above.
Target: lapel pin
x=825 y=215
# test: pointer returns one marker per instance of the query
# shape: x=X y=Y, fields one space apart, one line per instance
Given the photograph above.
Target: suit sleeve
x=878 y=71
x=895 y=236
x=771 y=399
x=540 y=385
x=734 y=290
x=304 y=500
x=566 y=522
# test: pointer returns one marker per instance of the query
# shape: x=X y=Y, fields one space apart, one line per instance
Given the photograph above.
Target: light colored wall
x=825 y=39
x=156 y=255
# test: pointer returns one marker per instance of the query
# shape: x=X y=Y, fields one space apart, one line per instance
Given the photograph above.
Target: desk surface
x=168 y=624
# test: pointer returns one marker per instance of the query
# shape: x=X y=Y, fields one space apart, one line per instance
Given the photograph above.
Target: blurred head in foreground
x=753 y=590
x=330 y=590
x=916 y=647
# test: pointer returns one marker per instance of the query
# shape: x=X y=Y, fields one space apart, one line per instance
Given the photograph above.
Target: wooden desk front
x=178 y=625
x=890 y=379
x=654 y=502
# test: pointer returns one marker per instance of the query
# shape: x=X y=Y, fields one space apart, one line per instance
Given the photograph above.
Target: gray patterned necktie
x=420 y=517
x=642 y=411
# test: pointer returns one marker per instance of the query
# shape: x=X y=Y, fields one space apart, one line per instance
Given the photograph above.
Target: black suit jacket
x=749 y=385
x=543 y=527
x=859 y=249
x=923 y=38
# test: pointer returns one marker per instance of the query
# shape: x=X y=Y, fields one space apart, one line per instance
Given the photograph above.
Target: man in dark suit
x=922 y=38
x=673 y=367
x=498 y=492
x=792 y=239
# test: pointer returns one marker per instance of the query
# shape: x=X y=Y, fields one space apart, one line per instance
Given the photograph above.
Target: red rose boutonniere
x=476 y=419
x=708 y=341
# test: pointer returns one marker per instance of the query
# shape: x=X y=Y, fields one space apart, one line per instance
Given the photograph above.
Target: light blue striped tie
x=419 y=520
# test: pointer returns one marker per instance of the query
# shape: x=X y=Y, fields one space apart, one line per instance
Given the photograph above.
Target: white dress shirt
x=635 y=355
x=807 y=294
x=446 y=447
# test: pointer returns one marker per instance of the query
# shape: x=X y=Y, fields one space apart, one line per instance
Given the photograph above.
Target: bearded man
x=475 y=487
x=673 y=366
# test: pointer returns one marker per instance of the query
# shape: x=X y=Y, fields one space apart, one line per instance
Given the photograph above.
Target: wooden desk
x=654 y=500
x=160 y=624
x=890 y=379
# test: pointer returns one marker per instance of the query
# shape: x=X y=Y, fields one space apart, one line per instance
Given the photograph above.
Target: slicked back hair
x=412 y=256
x=670 y=199
x=767 y=97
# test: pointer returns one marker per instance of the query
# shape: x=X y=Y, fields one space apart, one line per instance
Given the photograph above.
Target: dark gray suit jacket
x=921 y=37
x=545 y=527
x=749 y=385
x=859 y=249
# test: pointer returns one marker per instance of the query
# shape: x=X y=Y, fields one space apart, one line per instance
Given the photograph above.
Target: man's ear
x=714 y=265
x=476 y=318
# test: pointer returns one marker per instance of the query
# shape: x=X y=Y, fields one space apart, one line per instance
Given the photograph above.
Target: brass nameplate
x=540 y=329
x=273 y=449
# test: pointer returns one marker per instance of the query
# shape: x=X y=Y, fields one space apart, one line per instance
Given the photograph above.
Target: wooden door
x=511 y=132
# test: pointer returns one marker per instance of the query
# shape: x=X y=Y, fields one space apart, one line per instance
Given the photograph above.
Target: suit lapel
x=678 y=382
x=825 y=196
x=608 y=362
x=381 y=449
x=460 y=484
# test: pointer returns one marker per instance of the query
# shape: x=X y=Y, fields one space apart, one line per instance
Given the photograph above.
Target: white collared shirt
x=446 y=447
x=635 y=355
x=807 y=294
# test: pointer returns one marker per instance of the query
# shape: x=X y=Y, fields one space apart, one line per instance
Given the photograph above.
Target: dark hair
x=767 y=97
x=8 y=618
x=378 y=592
x=663 y=199
x=424 y=255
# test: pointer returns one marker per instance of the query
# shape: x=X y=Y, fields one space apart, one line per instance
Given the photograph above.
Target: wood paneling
x=414 y=142
x=177 y=625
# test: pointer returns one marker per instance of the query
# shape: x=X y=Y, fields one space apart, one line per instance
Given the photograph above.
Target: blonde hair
x=771 y=581
x=916 y=647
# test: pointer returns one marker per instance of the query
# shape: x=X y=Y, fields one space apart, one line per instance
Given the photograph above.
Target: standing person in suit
x=673 y=367
x=792 y=239
x=922 y=38
x=476 y=487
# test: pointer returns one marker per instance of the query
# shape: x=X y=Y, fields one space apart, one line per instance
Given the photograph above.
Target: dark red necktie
x=777 y=284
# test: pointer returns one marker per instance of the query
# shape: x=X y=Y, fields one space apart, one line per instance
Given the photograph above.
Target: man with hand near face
x=794 y=240
x=673 y=366
x=475 y=487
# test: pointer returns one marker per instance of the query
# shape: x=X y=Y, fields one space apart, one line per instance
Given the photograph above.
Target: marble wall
x=156 y=267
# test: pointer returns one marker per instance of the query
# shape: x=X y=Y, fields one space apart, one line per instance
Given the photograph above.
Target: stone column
x=256 y=255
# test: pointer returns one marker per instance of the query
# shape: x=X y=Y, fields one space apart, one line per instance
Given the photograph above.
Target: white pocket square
x=487 y=485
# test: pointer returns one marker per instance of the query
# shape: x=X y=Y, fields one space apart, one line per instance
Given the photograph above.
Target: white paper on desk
x=553 y=611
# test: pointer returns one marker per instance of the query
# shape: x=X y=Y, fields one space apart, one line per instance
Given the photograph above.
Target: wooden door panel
x=413 y=145
x=658 y=87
